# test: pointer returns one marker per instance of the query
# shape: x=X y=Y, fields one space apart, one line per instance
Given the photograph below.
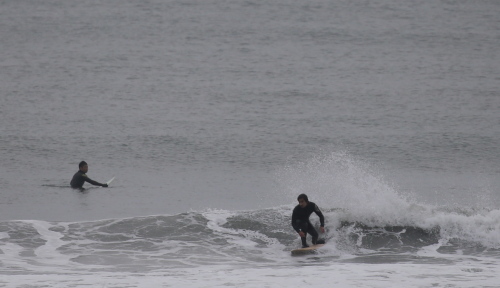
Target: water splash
x=351 y=190
x=338 y=180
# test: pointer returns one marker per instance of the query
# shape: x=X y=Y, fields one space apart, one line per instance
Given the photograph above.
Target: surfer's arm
x=94 y=182
x=320 y=215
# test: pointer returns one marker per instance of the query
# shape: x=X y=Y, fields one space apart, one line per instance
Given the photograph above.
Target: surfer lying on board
x=80 y=177
x=301 y=223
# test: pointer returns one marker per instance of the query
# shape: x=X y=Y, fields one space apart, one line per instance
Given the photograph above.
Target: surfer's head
x=84 y=167
x=303 y=200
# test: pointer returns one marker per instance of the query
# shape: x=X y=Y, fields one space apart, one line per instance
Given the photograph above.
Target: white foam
x=331 y=267
x=241 y=238
x=49 y=251
x=481 y=227
x=4 y=235
x=357 y=193
x=466 y=274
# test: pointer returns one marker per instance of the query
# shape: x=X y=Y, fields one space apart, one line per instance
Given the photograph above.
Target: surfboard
x=110 y=180
x=306 y=250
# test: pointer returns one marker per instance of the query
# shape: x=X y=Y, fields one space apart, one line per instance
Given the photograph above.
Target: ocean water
x=213 y=115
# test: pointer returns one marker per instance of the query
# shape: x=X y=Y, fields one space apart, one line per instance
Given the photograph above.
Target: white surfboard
x=110 y=180
x=307 y=249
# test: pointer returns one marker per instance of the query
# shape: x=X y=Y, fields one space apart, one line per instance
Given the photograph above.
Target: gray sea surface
x=198 y=103
x=386 y=113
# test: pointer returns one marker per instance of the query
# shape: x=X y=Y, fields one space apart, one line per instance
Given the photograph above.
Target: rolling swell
x=221 y=237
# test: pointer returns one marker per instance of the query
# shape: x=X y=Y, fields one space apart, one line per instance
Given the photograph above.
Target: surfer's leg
x=314 y=234
x=315 y=240
x=304 y=243
x=305 y=228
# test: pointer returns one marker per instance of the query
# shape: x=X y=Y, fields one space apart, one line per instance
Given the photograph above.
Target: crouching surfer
x=80 y=177
x=301 y=223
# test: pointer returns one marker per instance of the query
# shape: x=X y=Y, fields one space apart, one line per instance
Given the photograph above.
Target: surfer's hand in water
x=322 y=229
x=105 y=185
x=302 y=234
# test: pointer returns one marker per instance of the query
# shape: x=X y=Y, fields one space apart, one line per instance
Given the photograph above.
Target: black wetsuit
x=300 y=221
x=79 y=178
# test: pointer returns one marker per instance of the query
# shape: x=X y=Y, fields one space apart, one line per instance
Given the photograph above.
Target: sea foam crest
x=357 y=192
x=338 y=180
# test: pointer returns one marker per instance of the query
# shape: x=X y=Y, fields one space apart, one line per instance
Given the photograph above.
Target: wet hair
x=83 y=163
x=303 y=196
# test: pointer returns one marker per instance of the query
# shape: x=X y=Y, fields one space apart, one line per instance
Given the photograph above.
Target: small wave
x=214 y=237
x=370 y=203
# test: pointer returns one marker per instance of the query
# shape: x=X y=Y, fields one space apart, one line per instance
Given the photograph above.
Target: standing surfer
x=301 y=223
x=80 y=177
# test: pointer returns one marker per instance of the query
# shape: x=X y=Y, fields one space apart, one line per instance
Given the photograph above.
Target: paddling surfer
x=80 y=177
x=301 y=223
